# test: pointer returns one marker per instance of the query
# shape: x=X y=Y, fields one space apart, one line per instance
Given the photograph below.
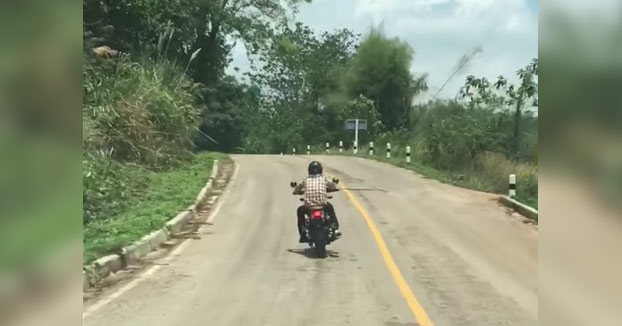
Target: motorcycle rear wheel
x=319 y=242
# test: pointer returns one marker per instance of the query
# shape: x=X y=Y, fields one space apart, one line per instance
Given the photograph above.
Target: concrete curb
x=156 y=238
x=176 y=224
x=528 y=212
x=202 y=196
x=104 y=266
x=132 y=253
x=198 y=202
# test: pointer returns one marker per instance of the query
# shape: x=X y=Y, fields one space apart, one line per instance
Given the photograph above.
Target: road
x=461 y=257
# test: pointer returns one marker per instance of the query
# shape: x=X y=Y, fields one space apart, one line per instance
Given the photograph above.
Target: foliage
x=301 y=66
x=144 y=113
x=380 y=71
x=137 y=112
x=453 y=135
x=181 y=27
x=163 y=195
x=363 y=108
x=487 y=172
x=505 y=96
x=108 y=186
x=468 y=146
x=135 y=116
x=230 y=104
x=298 y=73
x=141 y=26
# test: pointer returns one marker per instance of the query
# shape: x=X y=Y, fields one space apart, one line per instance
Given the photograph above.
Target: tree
x=230 y=105
x=380 y=71
x=179 y=28
x=299 y=71
x=250 y=21
x=142 y=27
x=505 y=96
x=363 y=108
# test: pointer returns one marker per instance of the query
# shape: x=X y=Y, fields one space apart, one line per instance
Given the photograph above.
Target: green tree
x=142 y=27
x=505 y=96
x=298 y=72
x=179 y=28
x=230 y=104
x=380 y=71
x=451 y=135
x=363 y=108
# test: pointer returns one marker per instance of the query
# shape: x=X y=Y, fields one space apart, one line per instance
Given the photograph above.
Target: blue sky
x=440 y=32
x=532 y=5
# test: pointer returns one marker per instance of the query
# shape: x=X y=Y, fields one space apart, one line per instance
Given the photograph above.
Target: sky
x=439 y=31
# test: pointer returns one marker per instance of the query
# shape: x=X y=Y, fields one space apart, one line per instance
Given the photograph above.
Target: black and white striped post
x=512 y=185
x=340 y=146
x=327 y=148
x=407 y=154
x=388 y=150
x=308 y=150
x=371 y=148
x=355 y=148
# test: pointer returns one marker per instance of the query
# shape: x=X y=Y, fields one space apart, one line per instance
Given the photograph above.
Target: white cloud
x=441 y=31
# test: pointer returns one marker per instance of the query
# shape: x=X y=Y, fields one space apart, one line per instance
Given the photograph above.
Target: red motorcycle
x=317 y=227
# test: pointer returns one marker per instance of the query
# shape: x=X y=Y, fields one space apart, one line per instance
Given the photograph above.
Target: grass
x=490 y=177
x=529 y=201
x=167 y=194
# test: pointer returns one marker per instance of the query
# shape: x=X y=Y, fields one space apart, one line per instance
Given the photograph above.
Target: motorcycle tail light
x=317 y=215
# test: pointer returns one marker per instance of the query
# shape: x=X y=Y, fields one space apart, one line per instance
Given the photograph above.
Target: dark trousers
x=304 y=210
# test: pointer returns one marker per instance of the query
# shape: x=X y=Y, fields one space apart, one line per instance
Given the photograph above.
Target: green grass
x=167 y=194
x=464 y=179
x=456 y=179
x=529 y=201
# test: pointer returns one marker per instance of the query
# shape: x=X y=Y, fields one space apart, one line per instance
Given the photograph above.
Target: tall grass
x=489 y=172
x=136 y=112
x=135 y=117
x=465 y=147
x=163 y=195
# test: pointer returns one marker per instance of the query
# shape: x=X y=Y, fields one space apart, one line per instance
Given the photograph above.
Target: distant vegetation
x=156 y=92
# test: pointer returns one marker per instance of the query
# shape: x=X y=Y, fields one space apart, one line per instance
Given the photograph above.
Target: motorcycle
x=318 y=230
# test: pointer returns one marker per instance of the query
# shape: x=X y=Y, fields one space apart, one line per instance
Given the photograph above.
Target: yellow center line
x=419 y=313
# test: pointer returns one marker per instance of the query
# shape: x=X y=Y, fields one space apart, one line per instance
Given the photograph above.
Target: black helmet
x=315 y=168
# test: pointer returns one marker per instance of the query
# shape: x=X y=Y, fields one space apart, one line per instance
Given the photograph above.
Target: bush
x=164 y=194
x=495 y=169
x=449 y=136
x=452 y=142
x=472 y=145
x=138 y=112
x=135 y=116
x=109 y=186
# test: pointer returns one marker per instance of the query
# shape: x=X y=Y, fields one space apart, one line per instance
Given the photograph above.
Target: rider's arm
x=299 y=190
x=331 y=186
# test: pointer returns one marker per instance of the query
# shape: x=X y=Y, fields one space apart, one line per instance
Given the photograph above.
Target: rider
x=315 y=188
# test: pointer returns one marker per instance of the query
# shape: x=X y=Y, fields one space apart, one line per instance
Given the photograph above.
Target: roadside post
x=512 y=185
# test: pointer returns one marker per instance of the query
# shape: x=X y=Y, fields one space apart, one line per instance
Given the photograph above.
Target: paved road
x=464 y=260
